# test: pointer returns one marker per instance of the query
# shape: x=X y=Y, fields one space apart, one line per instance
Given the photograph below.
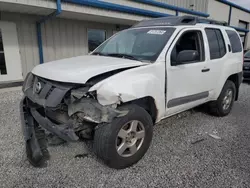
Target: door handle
x=205 y=70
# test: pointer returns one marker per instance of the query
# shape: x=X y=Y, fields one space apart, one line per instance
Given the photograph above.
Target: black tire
x=106 y=135
x=216 y=107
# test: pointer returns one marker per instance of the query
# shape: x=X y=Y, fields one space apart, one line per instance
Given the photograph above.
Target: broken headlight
x=28 y=82
x=82 y=92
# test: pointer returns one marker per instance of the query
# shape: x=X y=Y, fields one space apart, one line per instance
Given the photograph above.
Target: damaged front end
x=68 y=111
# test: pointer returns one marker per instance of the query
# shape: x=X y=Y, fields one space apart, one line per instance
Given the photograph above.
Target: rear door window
x=216 y=43
x=221 y=42
x=235 y=41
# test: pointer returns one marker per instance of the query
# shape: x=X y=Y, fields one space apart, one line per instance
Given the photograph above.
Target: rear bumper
x=30 y=119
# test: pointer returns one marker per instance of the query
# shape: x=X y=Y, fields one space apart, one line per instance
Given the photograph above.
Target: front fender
x=130 y=86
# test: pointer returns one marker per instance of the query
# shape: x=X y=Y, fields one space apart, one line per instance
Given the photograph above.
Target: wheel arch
x=147 y=103
x=236 y=79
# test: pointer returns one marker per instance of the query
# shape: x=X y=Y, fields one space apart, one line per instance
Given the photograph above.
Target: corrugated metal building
x=39 y=31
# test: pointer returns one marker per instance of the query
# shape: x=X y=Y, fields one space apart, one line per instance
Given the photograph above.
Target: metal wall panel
x=39 y=3
x=199 y=5
x=62 y=38
x=218 y=11
x=132 y=3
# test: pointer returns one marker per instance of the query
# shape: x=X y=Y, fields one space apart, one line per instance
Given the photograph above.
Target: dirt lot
x=182 y=153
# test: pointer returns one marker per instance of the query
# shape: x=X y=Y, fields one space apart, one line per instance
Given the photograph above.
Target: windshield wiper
x=98 y=53
x=126 y=56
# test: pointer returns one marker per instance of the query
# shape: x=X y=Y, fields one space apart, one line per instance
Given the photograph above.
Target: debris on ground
x=82 y=155
x=215 y=136
x=197 y=140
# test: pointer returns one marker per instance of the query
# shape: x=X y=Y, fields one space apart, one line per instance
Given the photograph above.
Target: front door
x=186 y=81
x=10 y=63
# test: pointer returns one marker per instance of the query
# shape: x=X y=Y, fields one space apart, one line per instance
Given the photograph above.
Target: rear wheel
x=224 y=103
x=124 y=141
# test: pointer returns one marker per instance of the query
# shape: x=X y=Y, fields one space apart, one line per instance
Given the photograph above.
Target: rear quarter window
x=216 y=43
x=235 y=41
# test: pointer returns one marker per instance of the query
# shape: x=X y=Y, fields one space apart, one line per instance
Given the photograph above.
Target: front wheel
x=126 y=139
x=224 y=103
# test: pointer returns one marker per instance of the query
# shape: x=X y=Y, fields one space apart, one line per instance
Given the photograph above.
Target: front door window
x=190 y=40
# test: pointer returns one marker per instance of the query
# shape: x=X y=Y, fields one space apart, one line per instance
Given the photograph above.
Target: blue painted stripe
x=240 y=29
x=59 y=6
x=116 y=7
x=234 y=5
x=39 y=41
x=53 y=14
x=229 y=16
x=172 y=7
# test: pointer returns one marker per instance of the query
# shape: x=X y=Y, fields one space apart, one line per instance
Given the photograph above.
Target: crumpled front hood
x=80 y=69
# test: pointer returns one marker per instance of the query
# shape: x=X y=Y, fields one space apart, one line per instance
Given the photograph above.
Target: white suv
x=136 y=78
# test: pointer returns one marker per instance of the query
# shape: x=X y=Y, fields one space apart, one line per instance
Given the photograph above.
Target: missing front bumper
x=82 y=113
x=33 y=149
x=31 y=121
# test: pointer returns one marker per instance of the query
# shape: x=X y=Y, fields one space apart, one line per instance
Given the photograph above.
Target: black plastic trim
x=33 y=150
x=187 y=99
x=64 y=131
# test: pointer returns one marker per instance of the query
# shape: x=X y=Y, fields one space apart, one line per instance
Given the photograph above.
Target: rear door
x=224 y=59
x=217 y=56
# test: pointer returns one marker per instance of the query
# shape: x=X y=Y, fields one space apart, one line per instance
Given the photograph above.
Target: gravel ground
x=175 y=158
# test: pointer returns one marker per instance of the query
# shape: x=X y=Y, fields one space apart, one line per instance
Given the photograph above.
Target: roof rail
x=177 y=20
x=210 y=21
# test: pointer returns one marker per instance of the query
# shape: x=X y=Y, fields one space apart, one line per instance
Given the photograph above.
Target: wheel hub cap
x=130 y=138
x=227 y=99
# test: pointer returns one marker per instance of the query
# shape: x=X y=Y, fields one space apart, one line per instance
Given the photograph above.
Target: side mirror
x=187 y=56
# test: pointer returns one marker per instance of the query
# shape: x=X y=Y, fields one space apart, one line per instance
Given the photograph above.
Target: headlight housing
x=83 y=92
x=28 y=82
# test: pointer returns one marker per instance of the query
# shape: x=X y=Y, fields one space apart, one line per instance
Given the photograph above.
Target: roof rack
x=177 y=20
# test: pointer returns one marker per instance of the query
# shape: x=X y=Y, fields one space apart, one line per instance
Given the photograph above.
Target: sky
x=244 y=3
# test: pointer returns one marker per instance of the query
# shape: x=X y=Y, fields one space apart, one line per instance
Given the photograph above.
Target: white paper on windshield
x=156 y=32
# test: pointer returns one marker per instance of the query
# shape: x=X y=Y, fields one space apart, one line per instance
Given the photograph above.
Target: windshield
x=247 y=54
x=143 y=44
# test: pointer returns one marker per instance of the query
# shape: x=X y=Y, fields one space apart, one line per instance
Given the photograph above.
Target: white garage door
x=10 y=61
